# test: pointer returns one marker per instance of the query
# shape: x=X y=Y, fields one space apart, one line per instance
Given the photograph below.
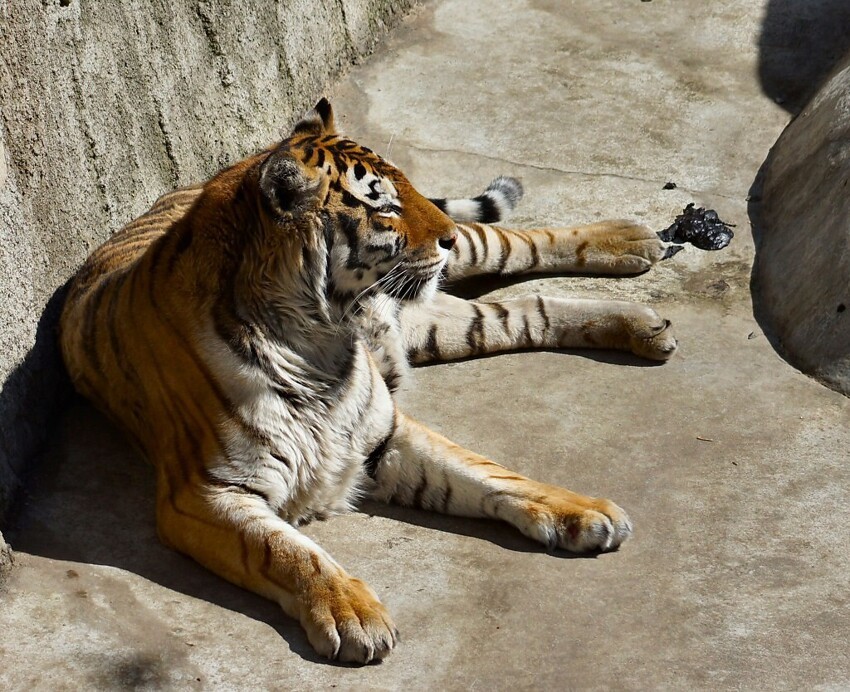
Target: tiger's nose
x=447 y=242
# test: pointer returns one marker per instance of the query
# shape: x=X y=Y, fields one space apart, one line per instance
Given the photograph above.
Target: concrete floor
x=732 y=464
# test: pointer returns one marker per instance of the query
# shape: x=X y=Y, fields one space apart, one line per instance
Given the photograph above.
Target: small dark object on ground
x=669 y=186
x=672 y=250
x=700 y=227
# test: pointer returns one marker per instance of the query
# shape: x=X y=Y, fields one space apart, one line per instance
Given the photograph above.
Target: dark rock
x=701 y=227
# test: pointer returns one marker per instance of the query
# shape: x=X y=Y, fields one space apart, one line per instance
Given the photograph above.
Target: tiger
x=250 y=335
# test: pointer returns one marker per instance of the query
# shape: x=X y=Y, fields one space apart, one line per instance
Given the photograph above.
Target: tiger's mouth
x=415 y=281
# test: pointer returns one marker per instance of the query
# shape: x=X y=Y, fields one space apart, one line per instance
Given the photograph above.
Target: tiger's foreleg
x=606 y=247
x=235 y=534
x=448 y=328
x=421 y=468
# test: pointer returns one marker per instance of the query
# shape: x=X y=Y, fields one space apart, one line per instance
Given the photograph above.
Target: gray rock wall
x=801 y=278
x=105 y=105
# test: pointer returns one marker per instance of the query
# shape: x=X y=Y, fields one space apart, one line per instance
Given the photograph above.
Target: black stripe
x=392 y=380
x=420 y=489
x=350 y=200
x=154 y=254
x=475 y=333
x=479 y=230
x=541 y=309
x=384 y=249
x=431 y=346
x=506 y=249
x=144 y=224
x=440 y=203
x=502 y=313
x=184 y=240
x=488 y=211
x=320 y=158
x=526 y=330
x=283 y=460
x=535 y=255
x=447 y=494
x=349 y=225
x=473 y=251
x=231 y=486
x=114 y=343
x=346 y=144
x=258 y=437
x=377 y=454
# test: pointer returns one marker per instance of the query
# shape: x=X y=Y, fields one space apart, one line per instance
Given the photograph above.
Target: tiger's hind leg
x=421 y=468
x=448 y=328
x=234 y=533
x=608 y=247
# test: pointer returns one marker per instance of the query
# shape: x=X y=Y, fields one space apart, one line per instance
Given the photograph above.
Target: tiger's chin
x=420 y=285
x=416 y=289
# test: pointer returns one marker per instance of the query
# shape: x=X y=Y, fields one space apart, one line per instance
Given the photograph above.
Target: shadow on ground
x=92 y=502
x=31 y=398
x=800 y=43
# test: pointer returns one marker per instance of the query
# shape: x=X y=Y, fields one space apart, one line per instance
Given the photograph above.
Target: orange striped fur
x=249 y=334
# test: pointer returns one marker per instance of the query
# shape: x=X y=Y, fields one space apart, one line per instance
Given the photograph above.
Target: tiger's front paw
x=650 y=336
x=344 y=620
x=620 y=247
x=576 y=523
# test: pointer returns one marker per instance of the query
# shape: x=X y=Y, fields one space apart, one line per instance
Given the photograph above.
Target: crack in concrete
x=565 y=171
x=349 y=40
x=168 y=143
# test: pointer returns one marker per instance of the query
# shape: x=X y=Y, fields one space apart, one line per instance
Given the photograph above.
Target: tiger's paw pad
x=345 y=621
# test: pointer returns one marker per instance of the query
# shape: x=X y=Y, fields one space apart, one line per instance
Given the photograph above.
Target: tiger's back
x=94 y=343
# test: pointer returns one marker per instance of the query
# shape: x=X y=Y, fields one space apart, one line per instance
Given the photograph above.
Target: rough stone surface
x=801 y=278
x=732 y=463
x=105 y=106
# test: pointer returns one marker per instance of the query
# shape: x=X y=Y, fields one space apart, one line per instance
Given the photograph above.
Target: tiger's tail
x=491 y=206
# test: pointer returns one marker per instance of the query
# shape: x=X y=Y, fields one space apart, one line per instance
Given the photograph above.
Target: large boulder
x=801 y=278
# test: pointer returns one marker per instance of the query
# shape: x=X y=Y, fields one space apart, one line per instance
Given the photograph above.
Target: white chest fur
x=381 y=329
x=297 y=436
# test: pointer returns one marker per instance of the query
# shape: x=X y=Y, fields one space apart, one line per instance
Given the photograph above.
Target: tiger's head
x=381 y=236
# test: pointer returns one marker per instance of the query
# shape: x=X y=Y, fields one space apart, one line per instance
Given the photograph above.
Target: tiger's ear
x=319 y=121
x=289 y=187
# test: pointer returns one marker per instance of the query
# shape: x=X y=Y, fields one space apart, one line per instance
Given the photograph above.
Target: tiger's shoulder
x=131 y=241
